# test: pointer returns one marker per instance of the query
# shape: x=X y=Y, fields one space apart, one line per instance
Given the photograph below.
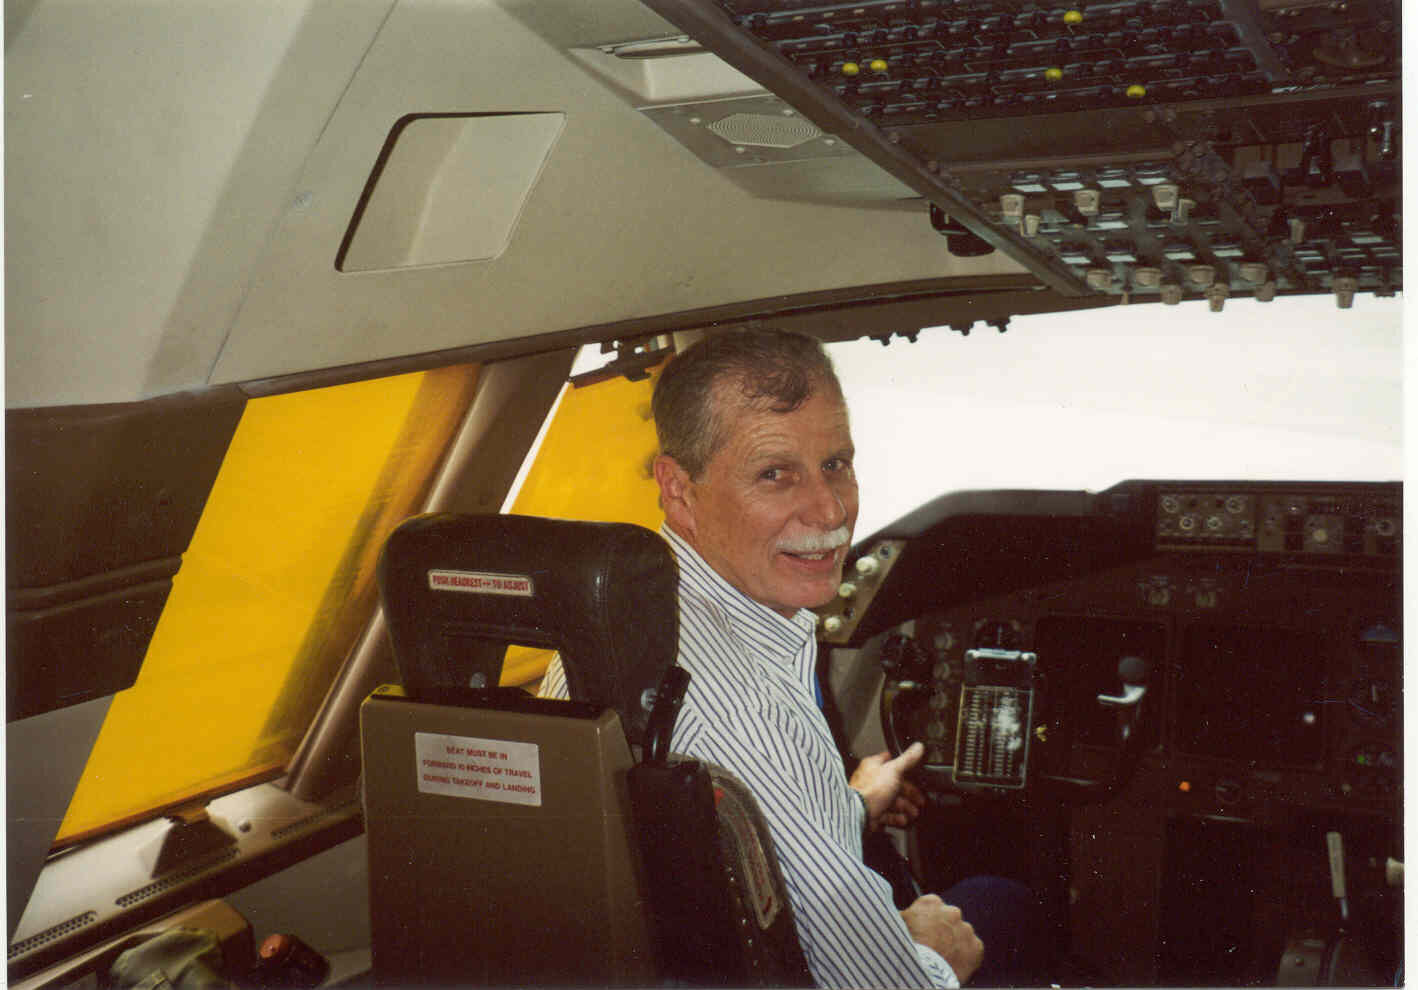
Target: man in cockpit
x=757 y=485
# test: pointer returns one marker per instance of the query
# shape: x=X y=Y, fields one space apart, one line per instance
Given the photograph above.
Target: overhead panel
x=1149 y=150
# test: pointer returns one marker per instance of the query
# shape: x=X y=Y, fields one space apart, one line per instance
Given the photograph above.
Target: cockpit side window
x=593 y=463
x=274 y=588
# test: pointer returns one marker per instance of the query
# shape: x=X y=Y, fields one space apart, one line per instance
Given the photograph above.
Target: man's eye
x=770 y=474
x=838 y=465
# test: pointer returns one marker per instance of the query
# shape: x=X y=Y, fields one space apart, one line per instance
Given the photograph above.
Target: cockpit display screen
x=1251 y=694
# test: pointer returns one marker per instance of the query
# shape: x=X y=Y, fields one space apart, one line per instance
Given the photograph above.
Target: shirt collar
x=756 y=620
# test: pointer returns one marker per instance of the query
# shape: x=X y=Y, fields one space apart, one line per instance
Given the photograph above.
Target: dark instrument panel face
x=1264 y=623
x=1273 y=658
x=1280 y=522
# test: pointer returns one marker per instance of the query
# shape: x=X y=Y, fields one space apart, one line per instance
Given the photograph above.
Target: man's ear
x=676 y=496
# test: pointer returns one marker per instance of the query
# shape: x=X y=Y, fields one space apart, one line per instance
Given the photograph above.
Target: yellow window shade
x=273 y=591
x=594 y=464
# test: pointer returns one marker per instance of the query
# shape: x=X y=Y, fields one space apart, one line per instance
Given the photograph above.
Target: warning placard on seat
x=482 y=769
x=481 y=583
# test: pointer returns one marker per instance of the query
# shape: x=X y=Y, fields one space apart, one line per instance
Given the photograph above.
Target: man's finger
x=910 y=757
x=907 y=807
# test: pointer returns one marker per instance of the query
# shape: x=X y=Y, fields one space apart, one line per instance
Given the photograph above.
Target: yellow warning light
x=850 y=68
x=1184 y=786
x=1053 y=74
x=877 y=65
x=1073 y=17
x=1136 y=91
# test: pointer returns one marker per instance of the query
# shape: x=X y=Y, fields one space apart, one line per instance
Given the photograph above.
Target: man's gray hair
x=771 y=369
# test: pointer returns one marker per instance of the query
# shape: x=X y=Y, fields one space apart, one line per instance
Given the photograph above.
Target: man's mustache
x=817 y=542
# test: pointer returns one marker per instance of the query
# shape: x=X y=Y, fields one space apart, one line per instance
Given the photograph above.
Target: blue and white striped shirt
x=751 y=708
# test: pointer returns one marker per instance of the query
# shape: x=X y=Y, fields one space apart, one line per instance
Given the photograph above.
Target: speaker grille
x=765 y=130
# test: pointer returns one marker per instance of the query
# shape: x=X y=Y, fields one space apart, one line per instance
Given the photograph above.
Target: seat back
x=481 y=876
x=457 y=589
x=720 y=907
x=503 y=848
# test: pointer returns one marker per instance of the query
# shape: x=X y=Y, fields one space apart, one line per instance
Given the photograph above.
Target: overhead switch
x=1147 y=278
x=1344 y=288
x=1164 y=194
x=1254 y=271
x=1217 y=296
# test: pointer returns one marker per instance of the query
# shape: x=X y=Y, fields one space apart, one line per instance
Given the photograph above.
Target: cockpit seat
x=515 y=840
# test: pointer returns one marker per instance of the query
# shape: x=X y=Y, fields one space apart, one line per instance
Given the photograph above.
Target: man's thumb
x=910 y=756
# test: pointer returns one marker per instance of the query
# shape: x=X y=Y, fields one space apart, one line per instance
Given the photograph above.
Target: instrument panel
x=1267 y=620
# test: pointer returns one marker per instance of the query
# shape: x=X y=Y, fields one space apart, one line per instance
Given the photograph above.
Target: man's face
x=773 y=510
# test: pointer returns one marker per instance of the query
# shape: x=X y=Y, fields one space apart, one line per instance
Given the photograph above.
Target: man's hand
x=891 y=798
x=939 y=926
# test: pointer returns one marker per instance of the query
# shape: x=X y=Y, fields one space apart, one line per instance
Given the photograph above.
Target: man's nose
x=825 y=507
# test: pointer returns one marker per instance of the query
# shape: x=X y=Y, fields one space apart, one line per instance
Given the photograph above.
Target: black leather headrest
x=458 y=588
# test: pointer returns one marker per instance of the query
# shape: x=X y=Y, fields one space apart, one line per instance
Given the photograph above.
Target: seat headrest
x=457 y=589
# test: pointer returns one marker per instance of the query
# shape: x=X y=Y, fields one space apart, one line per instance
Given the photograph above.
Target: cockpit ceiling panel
x=169 y=236
x=622 y=222
x=180 y=183
x=411 y=216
